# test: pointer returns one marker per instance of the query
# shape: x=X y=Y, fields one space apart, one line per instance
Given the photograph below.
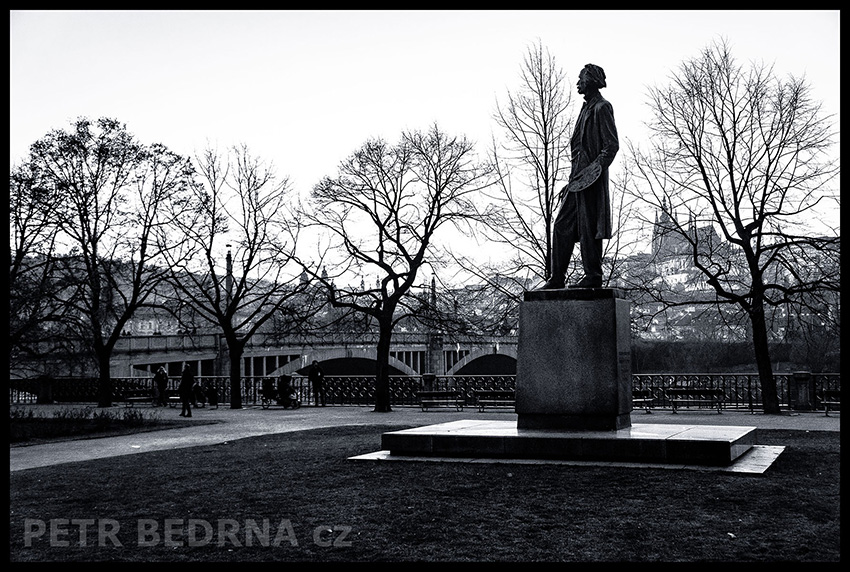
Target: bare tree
x=627 y=241
x=111 y=192
x=36 y=310
x=382 y=214
x=742 y=154
x=520 y=208
x=240 y=214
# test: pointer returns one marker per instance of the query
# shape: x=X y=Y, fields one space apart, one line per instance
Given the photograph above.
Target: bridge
x=341 y=354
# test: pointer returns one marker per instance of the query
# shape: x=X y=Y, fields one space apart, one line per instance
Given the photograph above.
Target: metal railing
x=743 y=391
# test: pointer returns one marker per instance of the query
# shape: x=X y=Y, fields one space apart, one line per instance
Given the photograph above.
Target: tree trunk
x=382 y=375
x=104 y=382
x=769 y=396
x=235 y=356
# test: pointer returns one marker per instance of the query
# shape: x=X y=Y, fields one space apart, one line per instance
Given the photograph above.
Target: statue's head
x=593 y=76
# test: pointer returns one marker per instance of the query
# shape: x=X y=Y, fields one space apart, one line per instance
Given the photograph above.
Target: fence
x=743 y=391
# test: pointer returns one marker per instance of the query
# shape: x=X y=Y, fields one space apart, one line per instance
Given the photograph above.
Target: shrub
x=27 y=423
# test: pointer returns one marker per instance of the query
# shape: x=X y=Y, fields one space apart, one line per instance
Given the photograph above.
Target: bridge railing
x=743 y=391
x=188 y=342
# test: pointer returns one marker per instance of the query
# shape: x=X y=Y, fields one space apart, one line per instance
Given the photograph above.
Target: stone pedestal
x=574 y=360
x=573 y=401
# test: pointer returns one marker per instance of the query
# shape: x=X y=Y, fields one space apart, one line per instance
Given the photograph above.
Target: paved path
x=253 y=421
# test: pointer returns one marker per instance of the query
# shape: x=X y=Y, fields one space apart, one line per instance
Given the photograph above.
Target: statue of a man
x=585 y=213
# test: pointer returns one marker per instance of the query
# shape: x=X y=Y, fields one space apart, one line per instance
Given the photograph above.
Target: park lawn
x=297 y=497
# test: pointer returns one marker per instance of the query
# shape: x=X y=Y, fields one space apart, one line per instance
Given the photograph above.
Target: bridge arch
x=483 y=352
x=339 y=353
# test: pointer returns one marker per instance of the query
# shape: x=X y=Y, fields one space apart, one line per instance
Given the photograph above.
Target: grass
x=319 y=506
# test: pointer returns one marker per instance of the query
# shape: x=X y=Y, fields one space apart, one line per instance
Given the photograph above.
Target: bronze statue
x=585 y=213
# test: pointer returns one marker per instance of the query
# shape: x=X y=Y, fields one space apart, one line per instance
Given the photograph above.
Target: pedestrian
x=199 y=396
x=161 y=380
x=585 y=213
x=212 y=394
x=317 y=380
x=187 y=381
x=283 y=389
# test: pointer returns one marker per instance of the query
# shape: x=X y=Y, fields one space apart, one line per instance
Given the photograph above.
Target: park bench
x=830 y=398
x=441 y=398
x=494 y=398
x=642 y=398
x=712 y=397
x=132 y=396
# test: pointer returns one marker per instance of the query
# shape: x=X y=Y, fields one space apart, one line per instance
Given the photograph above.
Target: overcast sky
x=305 y=89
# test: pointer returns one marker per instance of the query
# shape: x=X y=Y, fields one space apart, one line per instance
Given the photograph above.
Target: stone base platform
x=713 y=445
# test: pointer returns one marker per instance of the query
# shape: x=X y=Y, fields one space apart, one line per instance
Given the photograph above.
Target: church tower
x=661 y=232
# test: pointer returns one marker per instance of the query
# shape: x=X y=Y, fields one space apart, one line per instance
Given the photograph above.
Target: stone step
x=643 y=443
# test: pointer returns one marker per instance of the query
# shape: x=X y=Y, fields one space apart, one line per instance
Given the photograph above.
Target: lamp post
x=222 y=350
x=434 y=359
x=228 y=280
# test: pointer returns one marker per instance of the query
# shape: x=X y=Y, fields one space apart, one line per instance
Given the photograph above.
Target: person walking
x=199 y=396
x=317 y=379
x=187 y=382
x=212 y=394
x=161 y=380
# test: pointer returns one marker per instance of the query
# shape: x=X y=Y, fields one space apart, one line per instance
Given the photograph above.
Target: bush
x=26 y=424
